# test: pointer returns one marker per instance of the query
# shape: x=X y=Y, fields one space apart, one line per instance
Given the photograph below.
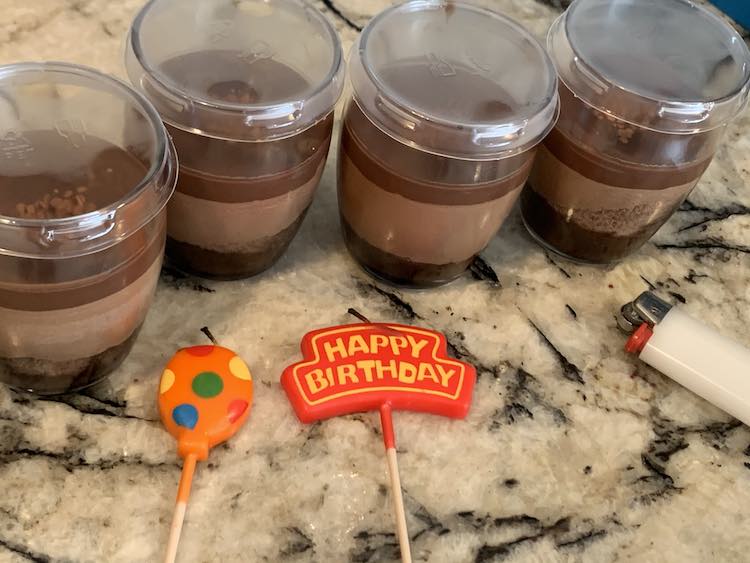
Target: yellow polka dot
x=239 y=369
x=167 y=380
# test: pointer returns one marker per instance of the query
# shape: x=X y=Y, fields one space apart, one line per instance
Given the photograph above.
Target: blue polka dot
x=185 y=415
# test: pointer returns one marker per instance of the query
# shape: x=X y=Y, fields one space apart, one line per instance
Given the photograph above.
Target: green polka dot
x=207 y=384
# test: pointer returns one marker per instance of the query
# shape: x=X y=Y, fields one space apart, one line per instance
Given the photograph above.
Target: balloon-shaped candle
x=204 y=397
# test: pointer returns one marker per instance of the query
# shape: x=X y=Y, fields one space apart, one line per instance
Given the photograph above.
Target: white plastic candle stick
x=183 y=494
x=386 y=421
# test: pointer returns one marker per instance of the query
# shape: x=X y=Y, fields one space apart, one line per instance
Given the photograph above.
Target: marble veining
x=573 y=452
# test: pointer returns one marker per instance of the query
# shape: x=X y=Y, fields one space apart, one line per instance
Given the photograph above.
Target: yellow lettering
x=416 y=345
x=316 y=381
x=445 y=375
x=329 y=376
x=377 y=341
x=345 y=372
x=358 y=344
x=367 y=366
x=407 y=372
x=427 y=371
x=331 y=350
x=398 y=343
x=380 y=369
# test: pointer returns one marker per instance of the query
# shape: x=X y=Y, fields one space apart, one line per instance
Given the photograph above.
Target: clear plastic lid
x=669 y=66
x=236 y=69
x=454 y=79
x=85 y=161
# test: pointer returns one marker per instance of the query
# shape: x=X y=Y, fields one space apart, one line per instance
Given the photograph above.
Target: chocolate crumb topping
x=623 y=130
x=57 y=206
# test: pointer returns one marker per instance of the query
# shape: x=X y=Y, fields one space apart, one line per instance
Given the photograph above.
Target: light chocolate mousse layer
x=408 y=231
x=593 y=208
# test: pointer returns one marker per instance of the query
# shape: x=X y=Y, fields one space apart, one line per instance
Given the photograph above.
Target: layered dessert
x=69 y=321
x=239 y=203
x=416 y=218
x=448 y=104
x=642 y=110
x=598 y=190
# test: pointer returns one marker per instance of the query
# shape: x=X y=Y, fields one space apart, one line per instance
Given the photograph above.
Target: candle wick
x=210 y=336
x=352 y=311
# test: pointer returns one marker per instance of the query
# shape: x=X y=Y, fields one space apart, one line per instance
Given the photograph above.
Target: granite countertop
x=572 y=451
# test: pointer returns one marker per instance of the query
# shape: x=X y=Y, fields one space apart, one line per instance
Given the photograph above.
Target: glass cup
x=449 y=101
x=86 y=170
x=646 y=91
x=246 y=88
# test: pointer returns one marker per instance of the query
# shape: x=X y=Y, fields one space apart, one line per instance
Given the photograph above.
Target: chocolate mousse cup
x=646 y=91
x=247 y=92
x=86 y=169
x=449 y=102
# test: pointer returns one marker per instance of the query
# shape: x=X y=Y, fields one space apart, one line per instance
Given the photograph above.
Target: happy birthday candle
x=383 y=367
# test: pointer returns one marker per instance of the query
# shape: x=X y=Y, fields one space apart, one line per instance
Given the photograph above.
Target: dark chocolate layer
x=211 y=264
x=49 y=377
x=573 y=241
x=362 y=142
x=39 y=296
x=397 y=270
x=619 y=173
x=239 y=172
x=602 y=133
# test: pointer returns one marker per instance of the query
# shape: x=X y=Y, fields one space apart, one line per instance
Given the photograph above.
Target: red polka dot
x=200 y=350
x=235 y=409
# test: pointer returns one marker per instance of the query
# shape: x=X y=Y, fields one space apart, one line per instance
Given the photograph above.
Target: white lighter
x=694 y=355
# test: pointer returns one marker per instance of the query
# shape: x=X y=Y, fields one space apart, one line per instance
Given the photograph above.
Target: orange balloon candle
x=205 y=396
